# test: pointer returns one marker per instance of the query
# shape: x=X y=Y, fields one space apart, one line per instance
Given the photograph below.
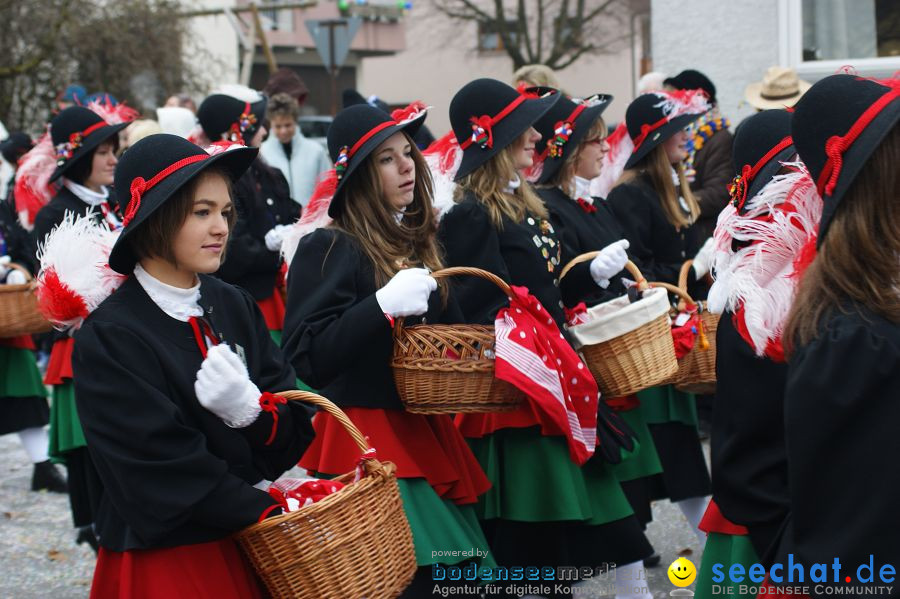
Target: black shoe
x=47 y=478
x=86 y=535
x=653 y=560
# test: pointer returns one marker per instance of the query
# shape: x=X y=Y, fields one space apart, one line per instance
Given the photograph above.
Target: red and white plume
x=75 y=274
x=775 y=236
x=673 y=104
x=315 y=215
x=443 y=157
x=113 y=114
x=33 y=188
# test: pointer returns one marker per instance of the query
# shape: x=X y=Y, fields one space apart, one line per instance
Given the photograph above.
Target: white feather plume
x=239 y=92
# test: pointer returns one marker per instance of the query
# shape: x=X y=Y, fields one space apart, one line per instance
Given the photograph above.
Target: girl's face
x=590 y=157
x=675 y=147
x=284 y=128
x=523 y=149
x=199 y=245
x=397 y=170
x=103 y=167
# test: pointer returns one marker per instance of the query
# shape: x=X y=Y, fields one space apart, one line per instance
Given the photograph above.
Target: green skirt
x=19 y=374
x=534 y=480
x=666 y=404
x=439 y=525
x=644 y=461
x=65 y=428
x=725 y=549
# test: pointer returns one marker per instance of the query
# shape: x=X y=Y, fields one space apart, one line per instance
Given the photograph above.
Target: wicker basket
x=19 y=314
x=635 y=360
x=354 y=543
x=697 y=369
x=449 y=368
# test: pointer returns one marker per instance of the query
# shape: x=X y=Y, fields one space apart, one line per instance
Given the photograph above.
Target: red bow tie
x=586 y=205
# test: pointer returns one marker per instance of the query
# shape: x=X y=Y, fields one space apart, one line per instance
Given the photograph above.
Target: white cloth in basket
x=616 y=317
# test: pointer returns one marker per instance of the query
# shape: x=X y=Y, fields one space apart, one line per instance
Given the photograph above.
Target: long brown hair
x=368 y=217
x=488 y=182
x=858 y=261
x=657 y=166
x=564 y=177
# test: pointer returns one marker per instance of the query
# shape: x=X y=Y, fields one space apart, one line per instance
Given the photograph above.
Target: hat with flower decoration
x=488 y=115
x=153 y=170
x=762 y=142
x=235 y=114
x=75 y=133
x=563 y=127
x=654 y=117
x=355 y=133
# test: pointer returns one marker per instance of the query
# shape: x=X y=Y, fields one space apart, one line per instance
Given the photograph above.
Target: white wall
x=212 y=47
x=440 y=58
x=732 y=43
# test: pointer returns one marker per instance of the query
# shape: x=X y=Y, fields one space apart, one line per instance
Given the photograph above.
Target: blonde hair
x=657 y=166
x=564 y=177
x=857 y=259
x=488 y=183
x=368 y=217
x=538 y=75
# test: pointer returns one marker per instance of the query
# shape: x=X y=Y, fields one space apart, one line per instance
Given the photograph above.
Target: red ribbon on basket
x=370 y=454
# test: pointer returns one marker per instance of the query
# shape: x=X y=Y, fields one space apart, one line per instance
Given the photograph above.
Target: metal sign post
x=333 y=38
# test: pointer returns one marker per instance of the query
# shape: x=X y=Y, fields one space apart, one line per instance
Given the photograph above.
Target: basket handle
x=21 y=269
x=475 y=272
x=630 y=266
x=676 y=291
x=331 y=408
x=683 y=274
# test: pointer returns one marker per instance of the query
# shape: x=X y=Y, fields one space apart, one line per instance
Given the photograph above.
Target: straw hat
x=779 y=88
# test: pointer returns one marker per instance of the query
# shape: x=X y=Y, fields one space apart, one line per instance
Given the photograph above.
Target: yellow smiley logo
x=682 y=572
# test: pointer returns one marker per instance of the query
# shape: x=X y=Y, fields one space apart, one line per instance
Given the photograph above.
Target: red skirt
x=714 y=521
x=59 y=367
x=420 y=446
x=273 y=310
x=214 y=570
x=20 y=342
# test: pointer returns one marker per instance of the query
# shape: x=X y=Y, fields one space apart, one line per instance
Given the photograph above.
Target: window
x=277 y=20
x=842 y=29
x=489 y=39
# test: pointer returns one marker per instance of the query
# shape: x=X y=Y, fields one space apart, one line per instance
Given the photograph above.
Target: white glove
x=610 y=261
x=4 y=269
x=703 y=259
x=224 y=388
x=406 y=293
x=16 y=277
x=275 y=236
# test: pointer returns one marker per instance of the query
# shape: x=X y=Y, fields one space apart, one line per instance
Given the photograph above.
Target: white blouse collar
x=178 y=303
x=86 y=194
x=583 y=189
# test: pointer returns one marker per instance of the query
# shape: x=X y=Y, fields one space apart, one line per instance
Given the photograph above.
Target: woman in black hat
x=261 y=198
x=572 y=147
x=85 y=147
x=843 y=336
x=346 y=285
x=771 y=221
x=657 y=211
x=562 y=514
x=174 y=373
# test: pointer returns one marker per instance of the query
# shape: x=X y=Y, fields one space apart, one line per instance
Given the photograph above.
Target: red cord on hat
x=486 y=122
x=837 y=145
x=647 y=130
x=139 y=186
x=741 y=183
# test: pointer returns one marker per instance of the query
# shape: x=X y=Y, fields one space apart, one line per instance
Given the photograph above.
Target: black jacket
x=262 y=200
x=20 y=246
x=842 y=406
x=582 y=232
x=749 y=460
x=514 y=253
x=656 y=246
x=173 y=473
x=55 y=211
x=715 y=171
x=335 y=334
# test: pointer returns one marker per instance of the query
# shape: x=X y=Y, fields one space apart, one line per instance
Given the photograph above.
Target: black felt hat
x=13 y=147
x=563 y=127
x=355 y=132
x=836 y=126
x=226 y=117
x=76 y=132
x=691 y=79
x=761 y=143
x=653 y=118
x=488 y=115
x=152 y=171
